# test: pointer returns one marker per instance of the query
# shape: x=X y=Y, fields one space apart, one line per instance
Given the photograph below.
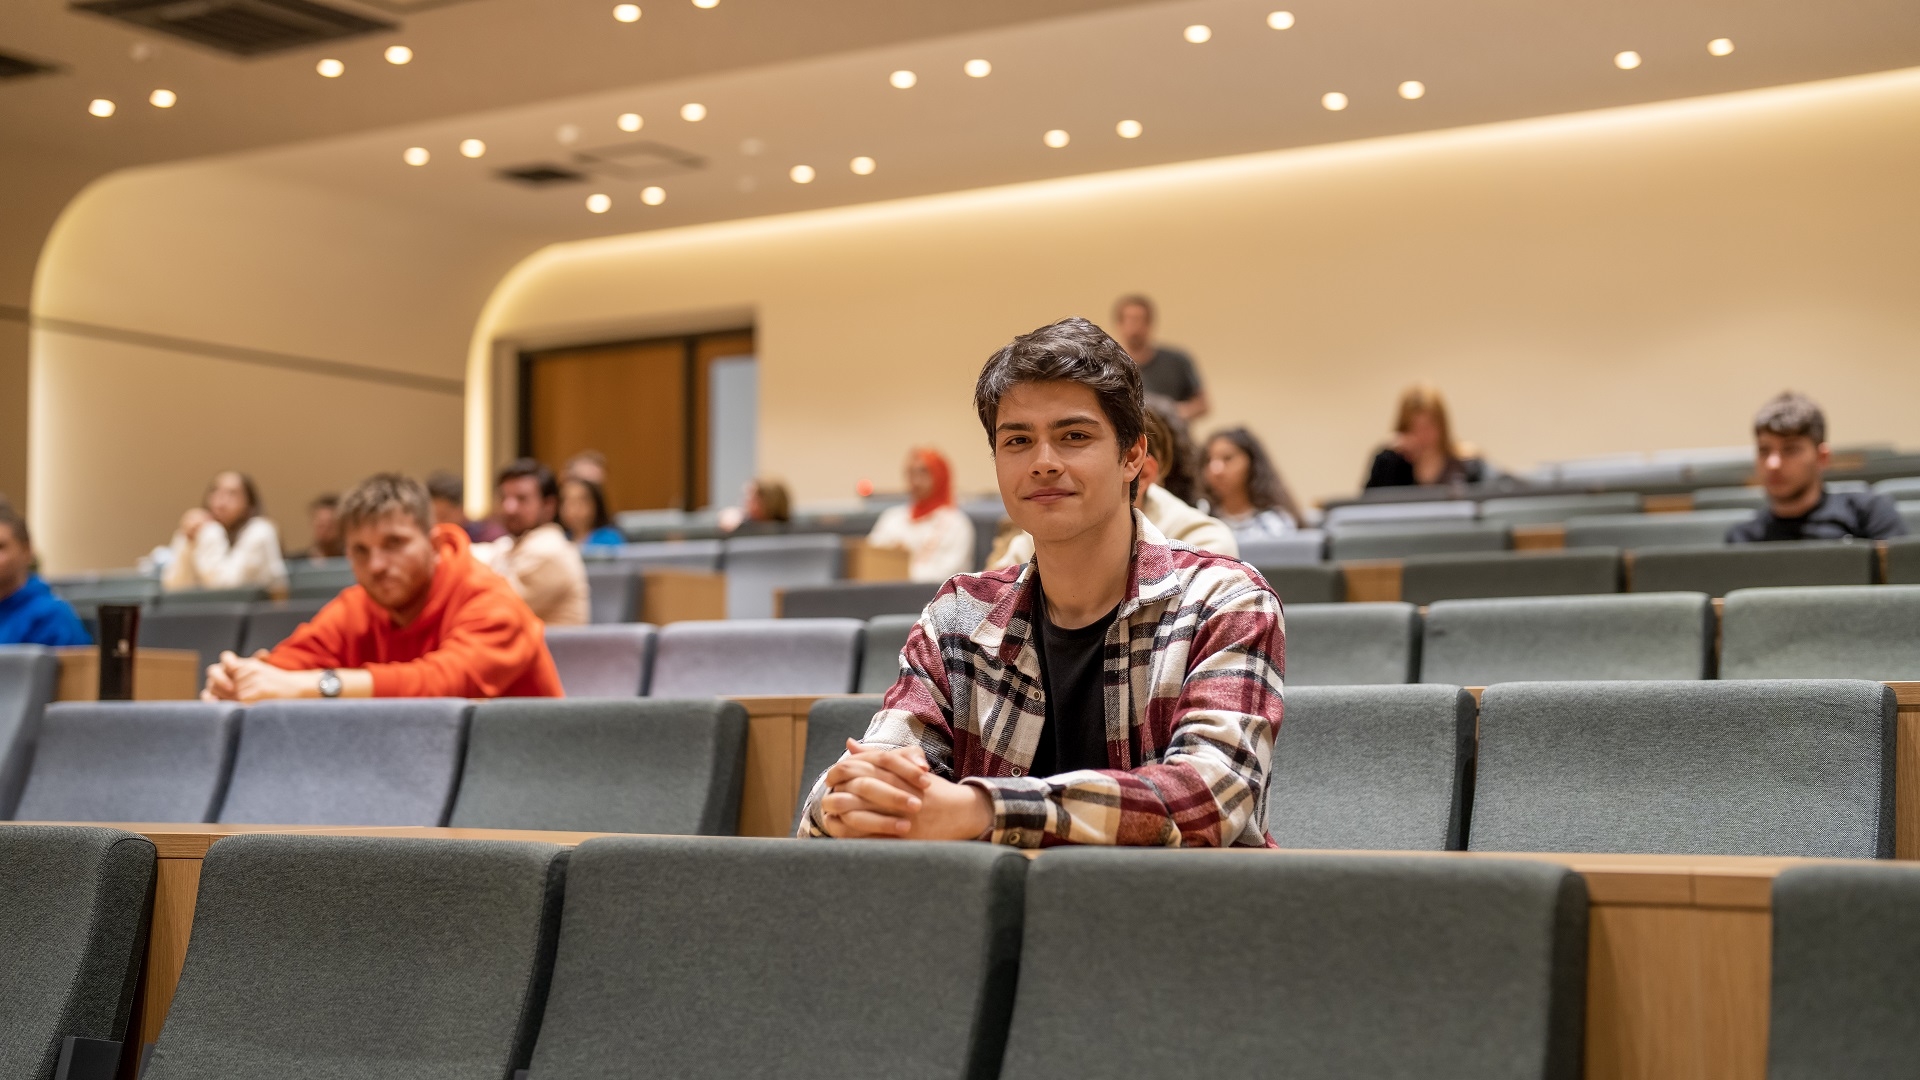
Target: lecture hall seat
x=830 y=723
x=1352 y=644
x=1556 y=509
x=613 y=592
x=27 y=677
x=1363 y=512
x=1868 y=632
x=270 y=624
x=1305 y=547
x=880 y=659
x=131 y=761
x=1306 y=583
x=698 y=555
x=1398 y=540
x=206 y=629
x=1532 y=638
x=857 y=599
x=734 y=657
x=373 y=761
x=1845 y=973
x=603 y=660
x=1903 y=561
x=756 y=566
x=1425 y=579
x=1718 y=571
x=1654 y=530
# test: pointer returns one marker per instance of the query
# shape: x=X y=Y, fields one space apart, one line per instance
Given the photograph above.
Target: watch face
x=329 y=685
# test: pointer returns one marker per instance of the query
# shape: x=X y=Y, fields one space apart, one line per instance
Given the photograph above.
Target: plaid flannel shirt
x=1193 y=670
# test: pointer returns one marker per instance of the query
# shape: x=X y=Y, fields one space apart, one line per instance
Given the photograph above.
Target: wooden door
x=627 y=401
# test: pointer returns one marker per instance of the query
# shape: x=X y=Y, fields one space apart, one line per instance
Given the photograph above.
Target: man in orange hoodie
x=425 y=620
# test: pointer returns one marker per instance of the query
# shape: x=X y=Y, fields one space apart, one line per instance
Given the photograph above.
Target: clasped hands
x=248 y=679
x=889 y=792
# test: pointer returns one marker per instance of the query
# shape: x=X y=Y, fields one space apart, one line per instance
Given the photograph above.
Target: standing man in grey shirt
x=1165 y=371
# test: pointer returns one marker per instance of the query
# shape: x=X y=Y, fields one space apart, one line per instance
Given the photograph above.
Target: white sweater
x=939 y=545
x=209 y=561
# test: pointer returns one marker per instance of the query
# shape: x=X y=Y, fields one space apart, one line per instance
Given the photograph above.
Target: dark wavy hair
x=601 y=519
x=1266 y=490
x=1071 y=350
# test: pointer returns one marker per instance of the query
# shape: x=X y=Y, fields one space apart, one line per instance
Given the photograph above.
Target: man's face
x=392 y=559
x=1134 y=324
x=15 y=558
x=521 y=507
x=1061 y=470
x=325 y=523
x=1789 y=465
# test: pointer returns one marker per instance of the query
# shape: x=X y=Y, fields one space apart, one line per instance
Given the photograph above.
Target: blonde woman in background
x=224 y=543
x=936 y=536
x=1423 y=451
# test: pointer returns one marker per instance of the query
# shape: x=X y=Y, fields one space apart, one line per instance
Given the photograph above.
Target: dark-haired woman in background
x=1244 y=489
x=1423 y=450
x=224 y=543
x=583 y=513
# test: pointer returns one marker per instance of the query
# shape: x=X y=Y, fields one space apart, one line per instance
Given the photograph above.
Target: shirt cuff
x=1020 y=809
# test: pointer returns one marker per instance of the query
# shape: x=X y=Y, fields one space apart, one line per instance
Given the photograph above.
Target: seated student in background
x=1791 y=456
x=1244 y=490
x=937 y=537
x=764 y=507
x=1117 y=689
x=30 y=613
x=535 y=556
x=224 y=543
x=1174 y=518
x=583 y=514
x=1423 y=450
x=449 y=495
x=323 y=527
x=424 y=619
x=588 y=465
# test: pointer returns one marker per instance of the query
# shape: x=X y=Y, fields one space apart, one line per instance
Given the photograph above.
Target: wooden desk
x=1371 y=580
x=868 y=563
x=1666 y=504
x=668 y=596
x=158 y=674
x=776 y=754
x=1552 y=537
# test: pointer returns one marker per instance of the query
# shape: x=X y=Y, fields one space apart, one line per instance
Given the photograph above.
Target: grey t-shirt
x=1170 y=374
x=1838 y=515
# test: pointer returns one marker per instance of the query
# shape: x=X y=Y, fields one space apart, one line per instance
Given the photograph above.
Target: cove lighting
x=472 y=148
x=1413 y=89
x=861 y=166
x=1198 y=33
x=903 y=80
x=1128 y=129
x=1280 y=20
x=978 y=69
x=693 y=112
x=1333 y=102
x=416 y=155
x=1626 y=61
x=162 y=99
x=653 y=196
x=399 y=54
x=100 y=107
x=801 y=174
x=330 y=68
x=630 y=121
x=1720 y=46
x=706 y=3
x=599 y=203
x=627 y=12
x=1056 y=138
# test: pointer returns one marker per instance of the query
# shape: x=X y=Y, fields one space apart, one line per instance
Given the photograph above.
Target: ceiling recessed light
x=706 y=3
x=1413 y=89
x=653 y=196
x=330 y=68
x=472 y=148
x=599 y=203
x=100 y=107
x=1333 y=102
x=162 y=99
x=398 y=54
x=1280 y=20
x=627 y=12
x=1198 y=33
x=693 y=112
x=1720 y=46
x=903 y=80
x=1626 y=61
x=630 y=121
x=1128 y=129
x=416 y=155
x=979 y=69
x=1056 y=138
x=861 y=166
x=801 y=174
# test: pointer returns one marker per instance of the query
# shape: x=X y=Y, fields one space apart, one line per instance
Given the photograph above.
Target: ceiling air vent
x=240 y=27
x=541 y=175
x=19 y=67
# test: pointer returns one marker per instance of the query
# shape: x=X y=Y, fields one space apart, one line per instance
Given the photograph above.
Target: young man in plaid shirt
x=1117 y=689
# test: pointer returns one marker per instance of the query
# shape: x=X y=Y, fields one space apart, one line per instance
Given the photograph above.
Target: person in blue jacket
x=30 y=614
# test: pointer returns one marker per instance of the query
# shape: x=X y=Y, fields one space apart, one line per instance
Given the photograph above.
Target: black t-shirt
x=1072 y=666
x=1170 y=373
x=1838 y=515
x=1391 y=469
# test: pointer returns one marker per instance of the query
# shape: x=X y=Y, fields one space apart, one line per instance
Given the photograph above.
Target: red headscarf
x=942 y=494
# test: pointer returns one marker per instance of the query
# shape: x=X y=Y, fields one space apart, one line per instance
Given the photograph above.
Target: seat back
x=346 y=956
x=1448 y=510
x=1650 y=636
x=671 y=555
x=1352 y=644
x=1397 y=541
x=1307 y=583
x=830 y=723
x=1307 y=546
x=735 y=657
x=613 y=592
x=1903 y=561
x=746 y=959
x=270 y=624
x=986 y=515
x=1747 y=497
x=27 y=677
x=630 y=766
x=1380 y=768
x=206 y=629
x=384 y=761
x=1553 y=509
x=1898 y=488
x=1867 y=632
x=858 y=599
x=1652 y=530
x=886 y=637
x=1845 y=972
x=198 y=599
x=318 y=581
x=757 y=565
x=1909 y=512
x=131 y=761
x=1341 y=966
x=1427 y=578
x=603 y=661
x=1718 y=571
x=1704 y=768
x=72 y=931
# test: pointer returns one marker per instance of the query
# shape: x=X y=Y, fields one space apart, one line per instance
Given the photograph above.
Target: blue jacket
x=33 y=615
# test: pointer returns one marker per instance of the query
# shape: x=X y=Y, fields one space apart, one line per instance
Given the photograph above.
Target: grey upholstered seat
x=1397 y=541
x=1307 y=583
x=1307 y=546
x=756 y=656
x=131 y=761
x=207 y=629
x=1358 y=512
x=830 y=723
x=1702 y=768
x=356 y=956
x=199 y=599
x=857 y=599
x=1553 y=509
x=1903 y=561
x=27 y=677
x=757 y=565
x=92 y=591
x=1865 y=632
x=384 y=761
x=270 y=624
x=604 y=766
x=880 y=658
x=1718 y=571
x=711 y=959
x=1379 y=768
x=1352 y=644
x=671 y=555
x=1909 y=511
x=1339 y=966
x=1846 y=972
x=1427 y=578
x=613 y=592
x=986 y=515
x=1746 y=498
x=72 y=930
x=1898 y=488
x=318 y=581
x=603 y=661
x=1653 y=530
x=1534 y=638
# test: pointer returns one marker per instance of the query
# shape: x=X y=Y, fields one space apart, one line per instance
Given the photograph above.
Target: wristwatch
x=329 y=683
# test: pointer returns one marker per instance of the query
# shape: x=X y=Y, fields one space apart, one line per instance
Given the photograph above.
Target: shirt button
x=1016 y=770
x=1013 y=837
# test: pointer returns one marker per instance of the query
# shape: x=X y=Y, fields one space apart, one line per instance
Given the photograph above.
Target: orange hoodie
x=474 y=639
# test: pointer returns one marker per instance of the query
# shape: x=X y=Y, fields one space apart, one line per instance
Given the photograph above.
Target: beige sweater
x=545 y=569
x=208 y=560
x=1175 y=520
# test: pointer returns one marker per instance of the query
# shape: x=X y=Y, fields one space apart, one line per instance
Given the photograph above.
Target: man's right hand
x=874 y=791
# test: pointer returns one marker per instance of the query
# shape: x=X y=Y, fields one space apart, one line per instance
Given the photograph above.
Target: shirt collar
x=1150 y=578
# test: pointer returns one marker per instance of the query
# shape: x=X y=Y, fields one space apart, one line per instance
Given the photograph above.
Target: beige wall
x=1626 y=280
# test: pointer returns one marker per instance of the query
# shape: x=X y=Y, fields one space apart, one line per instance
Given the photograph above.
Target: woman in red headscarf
x=938 y=538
